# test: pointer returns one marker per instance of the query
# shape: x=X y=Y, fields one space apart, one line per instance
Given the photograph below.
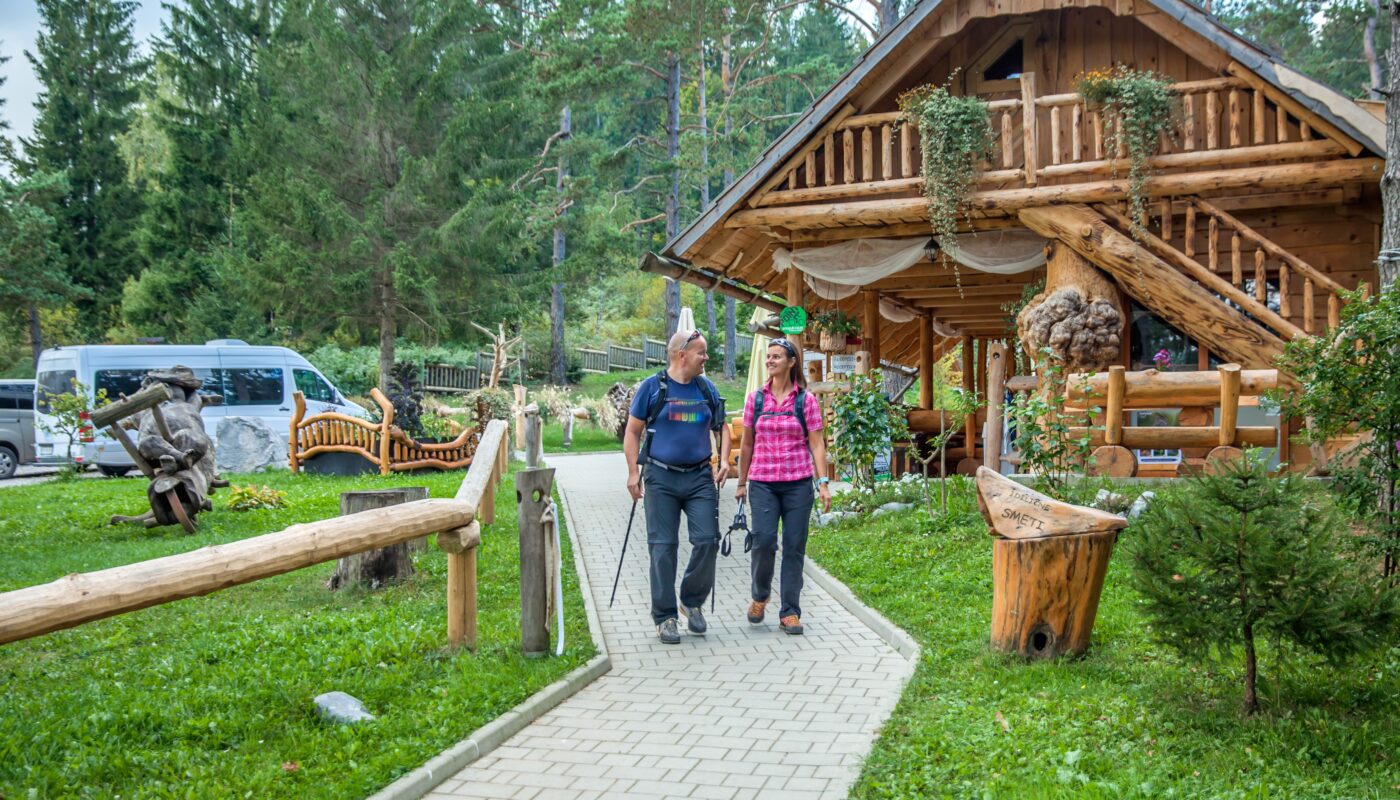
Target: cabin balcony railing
x=1053 y=140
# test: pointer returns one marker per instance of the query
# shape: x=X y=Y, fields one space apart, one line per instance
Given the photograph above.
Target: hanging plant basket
x=1139 y=107
x=832 y=342
x=955 y=135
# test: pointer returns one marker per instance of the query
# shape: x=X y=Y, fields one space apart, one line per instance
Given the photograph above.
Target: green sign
x=792 y=320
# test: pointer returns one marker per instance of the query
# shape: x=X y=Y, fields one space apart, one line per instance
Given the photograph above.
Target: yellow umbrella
x=757 y=374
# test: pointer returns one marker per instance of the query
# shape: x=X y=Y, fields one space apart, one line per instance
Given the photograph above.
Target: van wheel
x=8 y=461
x=113 y=472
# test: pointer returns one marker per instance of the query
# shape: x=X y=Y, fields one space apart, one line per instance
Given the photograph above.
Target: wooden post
x=532 y=488
x=968 y=374
x=870 y=334
x=461 y=546
x=996 y=391
x=1029 y=129
x=520 y=396
x=385 y=442
x=531 y=436
x=1113 y=415
x=926 y=362
x=1229 y=402
x=795 y=298
x=373 y=568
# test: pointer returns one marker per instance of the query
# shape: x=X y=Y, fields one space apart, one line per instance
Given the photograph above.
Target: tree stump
x=374 y=568
x=1048 y=566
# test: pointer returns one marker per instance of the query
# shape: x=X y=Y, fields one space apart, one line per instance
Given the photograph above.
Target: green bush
x=1232 y=557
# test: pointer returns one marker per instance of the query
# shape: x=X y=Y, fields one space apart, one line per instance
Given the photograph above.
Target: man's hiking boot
x=791 y=625
x=668 y=633
x=694 y=620
x=756 y=609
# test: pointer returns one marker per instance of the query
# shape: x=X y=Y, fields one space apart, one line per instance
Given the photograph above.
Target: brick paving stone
x=745 y=711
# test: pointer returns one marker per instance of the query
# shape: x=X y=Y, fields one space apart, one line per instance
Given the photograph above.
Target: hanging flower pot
x=832 y=342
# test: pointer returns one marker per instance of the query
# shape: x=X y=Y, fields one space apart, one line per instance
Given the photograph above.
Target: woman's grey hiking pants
x=791 y=503
x=668 y=493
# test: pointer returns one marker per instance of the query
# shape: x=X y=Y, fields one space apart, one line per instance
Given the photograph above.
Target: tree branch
x=634 y=223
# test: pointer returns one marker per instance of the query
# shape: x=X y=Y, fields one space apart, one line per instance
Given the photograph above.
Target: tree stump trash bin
x=1049 y=559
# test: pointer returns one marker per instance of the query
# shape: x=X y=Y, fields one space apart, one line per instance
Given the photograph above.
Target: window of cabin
x=1008 y=64
x=997 y=67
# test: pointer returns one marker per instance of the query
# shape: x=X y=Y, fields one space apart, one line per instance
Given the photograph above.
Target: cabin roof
x=1347 y=115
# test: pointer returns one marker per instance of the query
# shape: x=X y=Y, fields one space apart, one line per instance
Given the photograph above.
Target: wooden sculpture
x=172 y=449
x=1048 y=565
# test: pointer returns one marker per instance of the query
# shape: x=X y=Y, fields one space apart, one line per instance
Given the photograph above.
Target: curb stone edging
x=902 y=642
x=488 y=737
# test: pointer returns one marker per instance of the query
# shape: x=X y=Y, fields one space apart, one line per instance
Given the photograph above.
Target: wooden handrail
x=1272 y=249
x=75 y=599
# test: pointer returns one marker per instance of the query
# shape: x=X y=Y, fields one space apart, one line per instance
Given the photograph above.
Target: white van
x=253 y=382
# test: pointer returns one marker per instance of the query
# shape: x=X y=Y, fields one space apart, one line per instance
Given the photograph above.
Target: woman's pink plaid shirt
x=779 y=448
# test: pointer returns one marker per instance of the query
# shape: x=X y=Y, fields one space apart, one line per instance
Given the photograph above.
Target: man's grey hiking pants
x=668 y=493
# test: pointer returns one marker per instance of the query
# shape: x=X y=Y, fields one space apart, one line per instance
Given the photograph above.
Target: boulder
x=834 y=517
x=890 y=508
x=247 y=444
x=1140 y=505
x=341 y=707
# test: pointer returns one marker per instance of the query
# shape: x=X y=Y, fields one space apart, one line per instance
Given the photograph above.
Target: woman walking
x=782 y=450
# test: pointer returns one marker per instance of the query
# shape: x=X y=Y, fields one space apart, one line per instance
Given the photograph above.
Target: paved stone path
x=744 y=712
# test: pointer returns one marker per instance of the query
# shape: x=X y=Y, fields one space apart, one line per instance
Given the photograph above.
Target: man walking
x=667 y=446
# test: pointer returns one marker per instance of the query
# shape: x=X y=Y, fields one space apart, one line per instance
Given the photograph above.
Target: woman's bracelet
x=823 y=480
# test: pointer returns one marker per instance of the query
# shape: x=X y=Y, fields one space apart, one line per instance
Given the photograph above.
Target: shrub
x=864 y=422
x=1351 y=381
x=1232 y=557
x=252 y=498
x=500 y=404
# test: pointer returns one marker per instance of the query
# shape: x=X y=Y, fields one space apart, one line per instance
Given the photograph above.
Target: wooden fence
x=382 y=444
x=454 y=379
x=78 y=598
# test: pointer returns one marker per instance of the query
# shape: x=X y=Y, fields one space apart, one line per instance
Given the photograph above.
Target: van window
x=311 y=385
x=252 y=386
x=58 y=381
x=127 y=382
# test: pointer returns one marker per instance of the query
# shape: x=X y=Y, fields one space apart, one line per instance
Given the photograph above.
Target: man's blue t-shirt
x=683 y=430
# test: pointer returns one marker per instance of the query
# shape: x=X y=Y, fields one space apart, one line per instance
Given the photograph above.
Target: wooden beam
x=926 y=363
x=870 y=333
x=1158 y=286
x=1288 y=176
x=707 y=280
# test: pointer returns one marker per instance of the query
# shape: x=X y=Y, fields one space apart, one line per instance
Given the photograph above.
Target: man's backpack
x=658 y=403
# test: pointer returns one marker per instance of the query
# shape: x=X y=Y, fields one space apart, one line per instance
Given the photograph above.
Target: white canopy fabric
x=1008 y=252
x=838 y=271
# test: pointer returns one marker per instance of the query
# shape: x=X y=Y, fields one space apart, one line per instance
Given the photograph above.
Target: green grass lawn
x=212 y=696
x=1126 y=720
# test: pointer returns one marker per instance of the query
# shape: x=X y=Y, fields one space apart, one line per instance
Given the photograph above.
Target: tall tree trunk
x=1251 y=671
x=558 y=363
x=36 y=333
x=705 y=186
x=388 y=325
x=726 y=83
x=1373 y=63
x=1390 y=181
x=888 y=15
x=673 y=198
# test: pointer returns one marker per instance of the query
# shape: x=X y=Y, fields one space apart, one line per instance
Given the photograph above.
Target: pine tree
x=1235 y=557
x=86 y=59
x=383 y=144
x=206 y=63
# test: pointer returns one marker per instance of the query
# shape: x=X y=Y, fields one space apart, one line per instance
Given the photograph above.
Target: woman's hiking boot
x=668 y=632
x=756 y=609
x=791 y=625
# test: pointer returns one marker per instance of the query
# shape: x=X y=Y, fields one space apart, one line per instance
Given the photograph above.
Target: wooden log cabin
x=1265 y=202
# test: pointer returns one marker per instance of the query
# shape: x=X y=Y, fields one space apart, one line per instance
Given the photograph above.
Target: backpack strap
x=799 y=409
x=714 y=401
x=658 y=402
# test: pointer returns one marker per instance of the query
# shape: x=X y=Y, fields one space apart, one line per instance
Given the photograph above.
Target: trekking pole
x=623 y=555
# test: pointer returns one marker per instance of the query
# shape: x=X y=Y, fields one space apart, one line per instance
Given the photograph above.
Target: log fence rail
x=79 y=598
